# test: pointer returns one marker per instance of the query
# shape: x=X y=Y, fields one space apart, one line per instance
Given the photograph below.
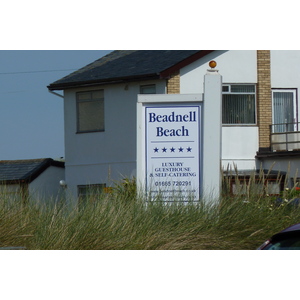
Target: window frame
x=229 y=92
x=78 y=101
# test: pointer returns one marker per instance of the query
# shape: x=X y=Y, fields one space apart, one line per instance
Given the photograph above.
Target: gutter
x=56 y=94
x=80 y=84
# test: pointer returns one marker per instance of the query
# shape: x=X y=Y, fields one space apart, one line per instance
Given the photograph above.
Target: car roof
x=290 y=232
x=292 y=228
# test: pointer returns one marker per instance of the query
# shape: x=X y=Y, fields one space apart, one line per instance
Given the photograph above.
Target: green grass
x=122 y=220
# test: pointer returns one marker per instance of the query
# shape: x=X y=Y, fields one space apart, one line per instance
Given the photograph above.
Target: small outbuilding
x=35 y=180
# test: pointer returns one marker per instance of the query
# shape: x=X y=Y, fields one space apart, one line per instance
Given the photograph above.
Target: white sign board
x=172 y=150
x=179 y=147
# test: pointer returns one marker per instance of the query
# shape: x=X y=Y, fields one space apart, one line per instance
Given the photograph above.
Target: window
x=238 y=101
x=284 y=110
x=148 y=89
x=249 y=182
x=90 y=193
x=90 y=111
x=244 y=187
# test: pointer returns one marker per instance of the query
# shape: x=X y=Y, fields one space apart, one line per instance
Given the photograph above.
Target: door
x=284 y=110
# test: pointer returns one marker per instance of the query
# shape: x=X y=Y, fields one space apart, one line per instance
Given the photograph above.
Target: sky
x=31 y=118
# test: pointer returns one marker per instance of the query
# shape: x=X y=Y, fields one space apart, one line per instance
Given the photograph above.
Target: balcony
x=285 y=137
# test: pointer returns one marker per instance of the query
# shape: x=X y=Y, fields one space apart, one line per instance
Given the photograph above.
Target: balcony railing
x=285 y=137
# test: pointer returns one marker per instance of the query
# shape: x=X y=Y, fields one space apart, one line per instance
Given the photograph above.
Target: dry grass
x=121 y=220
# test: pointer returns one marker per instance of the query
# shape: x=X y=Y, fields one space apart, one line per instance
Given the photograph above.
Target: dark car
x=288 y=239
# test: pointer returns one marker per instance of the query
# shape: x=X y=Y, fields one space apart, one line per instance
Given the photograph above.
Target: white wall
x=239 y=146
x=235 y=66
x=93 y=158
x=239 y=143
x=285 y=66
x=46 y=187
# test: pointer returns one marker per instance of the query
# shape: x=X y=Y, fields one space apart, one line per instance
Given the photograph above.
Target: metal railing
x=285 y=136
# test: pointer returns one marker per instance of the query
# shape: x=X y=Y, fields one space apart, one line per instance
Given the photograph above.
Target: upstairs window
x=148 y=89
x=90 y=111
x=239 y=104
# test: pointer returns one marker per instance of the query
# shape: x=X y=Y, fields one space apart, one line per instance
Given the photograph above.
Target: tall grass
x=123 y=220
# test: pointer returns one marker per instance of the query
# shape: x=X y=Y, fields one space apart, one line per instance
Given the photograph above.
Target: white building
x=260 y=109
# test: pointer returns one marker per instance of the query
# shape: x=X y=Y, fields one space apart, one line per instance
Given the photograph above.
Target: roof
x=14 y=171
x=129 y=65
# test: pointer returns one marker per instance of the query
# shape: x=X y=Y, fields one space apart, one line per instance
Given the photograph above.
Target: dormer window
x=148 y=89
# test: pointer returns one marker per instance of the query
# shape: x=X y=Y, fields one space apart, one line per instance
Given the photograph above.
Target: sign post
x=212 y=135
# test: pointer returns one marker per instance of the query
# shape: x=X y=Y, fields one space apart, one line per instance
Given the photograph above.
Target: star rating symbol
x=165 y=150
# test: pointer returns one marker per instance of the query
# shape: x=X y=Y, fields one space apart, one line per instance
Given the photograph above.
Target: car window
x=286 y=244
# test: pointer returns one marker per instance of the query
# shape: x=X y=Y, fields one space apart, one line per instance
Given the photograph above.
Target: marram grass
x=122 y=220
